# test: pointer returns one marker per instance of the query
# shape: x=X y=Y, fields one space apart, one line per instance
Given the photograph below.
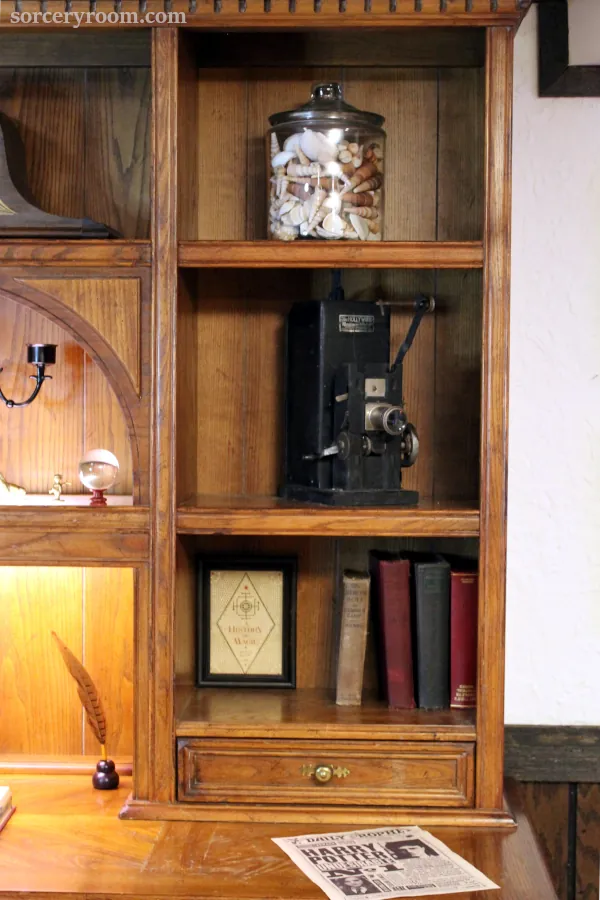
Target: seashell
x=302 y=191
x=297 y=169
x=351 y=235
x=285 y=233
x=304 y=180
x=334 y=202
x=282 y=158
x=348 y=168
x=357 y=160
x=293 y=142
x=377 y=151
x=371 y=184
x=274 y=145
x=345 y=156
x=360 y=226
x=365 y=199
x=316 y=146
x=307 y=229
x=376 y=198
x=373 y=226
x=325 y=182
x=365 y=171
x=342 y=145
x=327 y=234
x=287 y=206
x=374 y=237
x=316 y=203
x=298 y=214
x=353 y=148
x=303 y=158
x=334 y=224
x=365 y=212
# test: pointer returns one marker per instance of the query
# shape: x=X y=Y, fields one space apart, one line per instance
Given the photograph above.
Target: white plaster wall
x=553 y=603
x=584 y=32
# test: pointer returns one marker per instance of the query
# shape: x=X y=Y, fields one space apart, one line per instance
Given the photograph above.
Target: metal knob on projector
x=385 y=417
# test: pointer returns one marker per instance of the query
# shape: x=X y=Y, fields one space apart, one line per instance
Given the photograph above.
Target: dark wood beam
x=76 y=49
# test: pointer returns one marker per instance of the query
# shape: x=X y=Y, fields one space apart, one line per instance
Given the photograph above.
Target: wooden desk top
x=65 y=838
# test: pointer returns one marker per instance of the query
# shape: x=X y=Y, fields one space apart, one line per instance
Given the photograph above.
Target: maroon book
x=463 y=639
x=391 y=579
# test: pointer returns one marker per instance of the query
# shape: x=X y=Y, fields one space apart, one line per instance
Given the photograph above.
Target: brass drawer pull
x=325 y=773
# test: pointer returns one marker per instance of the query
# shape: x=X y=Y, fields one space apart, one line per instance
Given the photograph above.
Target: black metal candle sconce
x=40 y=355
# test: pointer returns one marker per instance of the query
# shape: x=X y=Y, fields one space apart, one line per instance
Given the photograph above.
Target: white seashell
x=327 y=234
x=312 y=170
x=282 y=158
x=285 y=233
x=334 y=224
x=351 y=235
x=353 y=148
x=316 y=146
x=293 y=142
x=342 y=145
x=345 y=156
x=334 y=202
x=274 y=145
x=309 y=227
x=360 y=226
x=302 y=157
x=298 y=214
x=287 y=206
x=316 y=203
x=374 y=237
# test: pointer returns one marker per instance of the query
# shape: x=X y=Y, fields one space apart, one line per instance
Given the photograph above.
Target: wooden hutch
x=159 y=133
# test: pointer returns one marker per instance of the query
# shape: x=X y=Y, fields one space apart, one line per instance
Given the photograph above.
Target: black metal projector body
x=347 y=437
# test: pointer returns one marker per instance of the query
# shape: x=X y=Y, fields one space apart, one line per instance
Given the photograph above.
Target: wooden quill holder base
x=105 y=778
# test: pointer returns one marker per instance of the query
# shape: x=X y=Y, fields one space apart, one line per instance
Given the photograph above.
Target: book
x=353 y=638
x=464 y=592
x=431 y=590
x=391 y=605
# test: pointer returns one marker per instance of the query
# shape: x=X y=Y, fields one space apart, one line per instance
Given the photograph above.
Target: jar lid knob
x=327 y=92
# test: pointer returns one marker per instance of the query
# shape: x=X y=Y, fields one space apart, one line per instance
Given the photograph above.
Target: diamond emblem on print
x=245 y=623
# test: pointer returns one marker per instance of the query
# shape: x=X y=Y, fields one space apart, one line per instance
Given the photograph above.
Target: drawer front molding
x=340 y=773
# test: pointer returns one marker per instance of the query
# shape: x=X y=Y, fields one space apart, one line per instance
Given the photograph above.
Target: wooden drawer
x=392 y=773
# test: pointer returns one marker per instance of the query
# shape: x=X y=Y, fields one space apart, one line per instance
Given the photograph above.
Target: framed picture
x=246 y=622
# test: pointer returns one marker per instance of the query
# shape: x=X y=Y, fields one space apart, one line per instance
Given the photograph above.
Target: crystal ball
x=98 y=470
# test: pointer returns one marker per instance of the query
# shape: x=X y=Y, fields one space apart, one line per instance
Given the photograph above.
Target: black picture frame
x=288 y=566
x=556 y=77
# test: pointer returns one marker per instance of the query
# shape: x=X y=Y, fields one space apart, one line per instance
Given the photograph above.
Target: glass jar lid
x=327 y=103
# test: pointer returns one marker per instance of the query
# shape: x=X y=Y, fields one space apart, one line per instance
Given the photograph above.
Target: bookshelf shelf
x=384 y=255
x=268 y=515
x=310 y=714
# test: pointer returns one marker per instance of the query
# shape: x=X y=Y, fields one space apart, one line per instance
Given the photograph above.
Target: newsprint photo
x=382 y=863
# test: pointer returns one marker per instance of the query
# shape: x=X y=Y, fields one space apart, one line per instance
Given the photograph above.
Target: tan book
x=353 y=638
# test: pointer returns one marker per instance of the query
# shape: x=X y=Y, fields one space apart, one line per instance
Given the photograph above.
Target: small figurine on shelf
x=57 y=486
x=10 y=492
x=105 y=777
x=98 y=471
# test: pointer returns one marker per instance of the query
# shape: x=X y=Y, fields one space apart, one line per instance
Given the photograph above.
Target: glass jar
x=326 y=171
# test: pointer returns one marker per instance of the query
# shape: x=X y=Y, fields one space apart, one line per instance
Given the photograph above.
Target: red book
x=391 y=579
x=463 y=639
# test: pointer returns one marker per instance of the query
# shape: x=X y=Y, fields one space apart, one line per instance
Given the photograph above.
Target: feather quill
x=87 y=693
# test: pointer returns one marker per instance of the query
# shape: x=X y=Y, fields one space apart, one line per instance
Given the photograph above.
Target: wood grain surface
x=588 y=842
x=547 y=809
x=82 y=851
x=237 y=771
x=76 y=406
x=41 y=712
x=86 y=141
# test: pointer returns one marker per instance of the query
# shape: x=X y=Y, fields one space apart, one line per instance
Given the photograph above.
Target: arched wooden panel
x=111 y=305
x=74 y=412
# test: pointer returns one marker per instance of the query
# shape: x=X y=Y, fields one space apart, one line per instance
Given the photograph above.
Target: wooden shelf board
x=207 y=514
x=327 y=255
x=310 y=714
x=74 y=535
x=75 y=253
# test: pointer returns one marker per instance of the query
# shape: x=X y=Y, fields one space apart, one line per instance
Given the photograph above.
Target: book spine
x=353 y=639
x=432 y=596
x=463 y=639
x=396 y=633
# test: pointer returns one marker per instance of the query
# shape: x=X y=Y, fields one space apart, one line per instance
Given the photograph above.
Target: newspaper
x=381 y=863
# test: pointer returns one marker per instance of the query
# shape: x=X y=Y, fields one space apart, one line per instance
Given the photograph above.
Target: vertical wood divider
x=494 y=414
x=164 y=320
